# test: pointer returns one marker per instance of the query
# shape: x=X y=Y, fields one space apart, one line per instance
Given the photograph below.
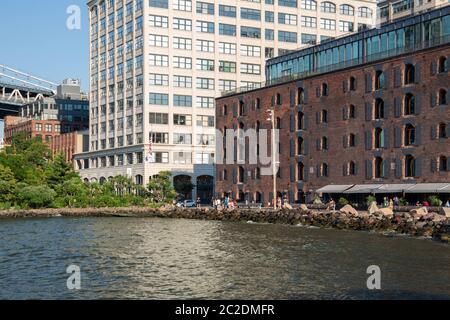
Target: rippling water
x=186 y=259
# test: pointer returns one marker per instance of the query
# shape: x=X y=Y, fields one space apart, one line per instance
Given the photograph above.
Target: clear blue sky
x=35 y=40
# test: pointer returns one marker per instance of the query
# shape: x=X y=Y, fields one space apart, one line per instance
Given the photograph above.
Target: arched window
x=278 y=99
x=241 y=125
x=364 y=12
x=410 y=135
x=241 y=108
x=379 y=109
x=410 y=166
x=442 y=65
x=379 y=138
x=410 y=105
x=241 y=173
x=347 y=10
x=442 y=97
x=351 y=140
x=309 y=5
x=300 y=96
x=409 y=73
x=351 y=168
x=300 y=146
x=225 y=174
x=379 y=168
x=324 y=116
x=324 y=89
x=324 y=143
x=258 y=197
x=442 y=130
x=379 y=80
x=352 y=84
x=324 y=170
x=225 y=110
x=352 y=112
x=443 y=163
x=300 y=171
x=300 y=121
x=139 y=180
x=327 y=6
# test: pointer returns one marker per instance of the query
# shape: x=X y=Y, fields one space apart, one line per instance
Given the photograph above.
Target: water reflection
x=182 y=259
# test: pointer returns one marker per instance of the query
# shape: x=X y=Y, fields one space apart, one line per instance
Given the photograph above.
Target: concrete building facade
x=375 y=118
x=158 y=65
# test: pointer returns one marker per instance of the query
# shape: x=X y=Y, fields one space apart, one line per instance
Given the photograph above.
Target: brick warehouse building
x=369 y=110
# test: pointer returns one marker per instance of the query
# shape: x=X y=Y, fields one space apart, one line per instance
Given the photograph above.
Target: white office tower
x=157 y=65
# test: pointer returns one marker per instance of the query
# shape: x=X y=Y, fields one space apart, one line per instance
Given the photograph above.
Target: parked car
x=189 y=204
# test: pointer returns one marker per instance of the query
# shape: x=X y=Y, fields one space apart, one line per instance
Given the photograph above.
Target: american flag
x=149 y=156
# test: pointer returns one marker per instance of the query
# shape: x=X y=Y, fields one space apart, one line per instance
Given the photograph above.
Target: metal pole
x=274 y=171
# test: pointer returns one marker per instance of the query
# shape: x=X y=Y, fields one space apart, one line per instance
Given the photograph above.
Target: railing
x=343 y=65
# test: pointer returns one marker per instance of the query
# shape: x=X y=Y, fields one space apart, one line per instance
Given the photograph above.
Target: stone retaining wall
x=429 y=225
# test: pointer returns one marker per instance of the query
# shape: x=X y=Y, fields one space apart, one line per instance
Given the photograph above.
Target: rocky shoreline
x=417 y=222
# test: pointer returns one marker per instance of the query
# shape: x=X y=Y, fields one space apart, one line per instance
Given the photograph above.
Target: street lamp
x=274 y=168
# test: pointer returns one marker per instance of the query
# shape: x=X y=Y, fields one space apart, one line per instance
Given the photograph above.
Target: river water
x=132 y=258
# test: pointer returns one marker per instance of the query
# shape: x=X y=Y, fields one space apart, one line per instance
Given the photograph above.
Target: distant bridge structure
x=18 y=88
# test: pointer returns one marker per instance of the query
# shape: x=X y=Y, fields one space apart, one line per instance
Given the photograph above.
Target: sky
x=36 y=40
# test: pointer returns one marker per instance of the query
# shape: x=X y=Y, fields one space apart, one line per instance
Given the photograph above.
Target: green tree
x=36 y=196
x=184 y=187
x=7 y=185
x=59 y=171
x=73 y=192
x=161 y=189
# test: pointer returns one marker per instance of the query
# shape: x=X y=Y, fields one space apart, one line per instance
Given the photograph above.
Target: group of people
x=226 y=202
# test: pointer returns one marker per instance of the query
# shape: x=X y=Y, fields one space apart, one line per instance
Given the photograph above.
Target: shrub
x=342 y=201
x=403 y=202
x=434 y=201
x=36 y=196
x=370 y=199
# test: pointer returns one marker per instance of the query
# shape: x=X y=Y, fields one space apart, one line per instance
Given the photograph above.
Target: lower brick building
x=377 y=116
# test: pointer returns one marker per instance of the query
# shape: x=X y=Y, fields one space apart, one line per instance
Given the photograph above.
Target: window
x=205 y=8
x=205 y=121
x=227 y=48
x=410 y=135
x=345 y=26
x=182 y=120
x=379 y=80
x=205 y=46
x=300 y=146
x=205 y=26
x=286 y=36
x=309 y=22
x=410 y=166
x=442 y=65
x=227 y=29
x=269 y=34
x=300 y=121
x=250 y=32
x=409 y=104
x=182 y=157
x=379 y=168
x=227 y=11
x=159 y=21
x=327 y=7
x=308 y=38
x=182 y=43
x=227 y=85
x=351 y=140
x=324 y=89
x=182 y=5
x=204 y=158
x=351 y=168
x=442 y=131
x=323 y=172
x=159 y=137
x=249 y=68
x=288 y=3
x=250 y=51
x=160 y=157
x=205 y=83
x=159 y=99
x=159 y=41
x=158 y=118
x=328 y=24
x=205 y=139
x=347 y=10
x=269 y=53
x=269 y=16
x=227 y=66
x=250 y=14
x=409 y=74
x=300 y=171
x=182 y=81
x=364 y=12
x=182 y=24
x=182 y=101
x=159 y=79
x=352 y=84
x=443 y=163
x=285 y=18
x=182 y=62
x=379 y=138
x=379 y=109
x=205 y=64
x=442 y=97
x=308 y=5
x=182 y=138
x=205 y=102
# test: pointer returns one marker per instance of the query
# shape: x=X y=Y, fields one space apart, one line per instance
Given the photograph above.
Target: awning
x=334 y=188
x=363 y=188
x=393 y=188
x=430 y=188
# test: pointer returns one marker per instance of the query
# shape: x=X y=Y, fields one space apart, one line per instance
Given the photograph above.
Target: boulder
x=348 y=209
x=303 y=207
x=373 y=208
x=386 y=212
x=445 y=212
x=287 y=206
x=419 y=212
x=439 y=218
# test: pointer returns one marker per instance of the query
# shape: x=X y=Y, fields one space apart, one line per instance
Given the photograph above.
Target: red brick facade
x=390 y=145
